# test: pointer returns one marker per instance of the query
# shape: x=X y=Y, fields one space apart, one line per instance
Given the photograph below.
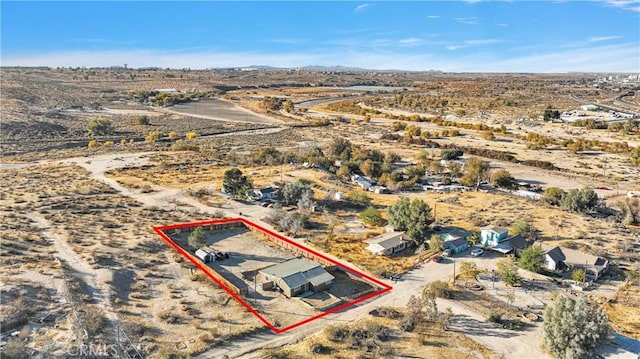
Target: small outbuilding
x=491 y=236
x=457 y=245
x=205 y=255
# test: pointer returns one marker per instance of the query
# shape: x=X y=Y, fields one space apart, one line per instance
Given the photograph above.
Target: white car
x=477 y=252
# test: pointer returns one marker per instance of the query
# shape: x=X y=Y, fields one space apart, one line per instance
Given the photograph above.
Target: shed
x=457 y=245
x=205 y=255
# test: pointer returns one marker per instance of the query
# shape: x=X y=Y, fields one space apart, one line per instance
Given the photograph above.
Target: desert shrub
x=94 y=321
x=197 y=238
x=93 y=143
x=582 y=200
x=578 y=275
x=371 y=216
x=152 y=136
x=468 y=269
x=540 y=164
x=440 y=289
x=143 y=120
x=172 y=135
x=502 y=178
x=488 y=135
x=190 y=135
x=100 y=127
x=15 y=348
x=450 y=154
x=495 y=317
x=553 y=195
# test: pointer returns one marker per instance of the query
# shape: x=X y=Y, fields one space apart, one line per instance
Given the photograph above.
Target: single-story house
x=518 y=243
x=297 y=276
x=388 y=243
x=205 y=255
x=362 y=181
x=491 y=236
x=453 y=233
x=457 y=245
x=264 y=193
x=559 y=258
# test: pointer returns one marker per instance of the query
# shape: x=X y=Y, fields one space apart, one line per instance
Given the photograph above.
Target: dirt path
x=94 y=278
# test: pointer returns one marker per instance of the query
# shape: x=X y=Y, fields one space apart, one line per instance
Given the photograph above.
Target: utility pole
x=454 y=272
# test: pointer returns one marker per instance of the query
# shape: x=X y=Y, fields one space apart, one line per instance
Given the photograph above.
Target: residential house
x=264 y=193
x=491 y=236
x=559 y=258
x=457 y=245
x=515 y=244
x=297 y=276
x=388 y=243
x=453 y=233
x=362 y=181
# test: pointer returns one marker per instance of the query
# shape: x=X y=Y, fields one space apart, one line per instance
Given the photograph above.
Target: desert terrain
x=82 y=267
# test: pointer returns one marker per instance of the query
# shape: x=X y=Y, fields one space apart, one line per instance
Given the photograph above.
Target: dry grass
x=624 y=310
x=381 y=338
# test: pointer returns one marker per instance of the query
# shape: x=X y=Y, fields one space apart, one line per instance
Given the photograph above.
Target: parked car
x=477 y=252
x=436 y=259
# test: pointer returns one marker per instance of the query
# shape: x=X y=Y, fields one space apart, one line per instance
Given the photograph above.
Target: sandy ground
x=220 y=110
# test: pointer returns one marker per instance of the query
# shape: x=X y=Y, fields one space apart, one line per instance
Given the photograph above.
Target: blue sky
x=458 y=36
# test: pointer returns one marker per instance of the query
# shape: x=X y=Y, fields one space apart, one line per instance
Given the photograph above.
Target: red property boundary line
x=160 y=231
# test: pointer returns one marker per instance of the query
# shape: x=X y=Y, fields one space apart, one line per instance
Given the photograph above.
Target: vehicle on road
x=477 y=252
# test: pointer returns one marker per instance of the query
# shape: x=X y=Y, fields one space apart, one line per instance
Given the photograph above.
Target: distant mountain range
x=336 y=68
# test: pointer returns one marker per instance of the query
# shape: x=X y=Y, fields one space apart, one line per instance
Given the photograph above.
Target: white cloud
x=501 y=24
x=361 y=8
x=631 y=5
x=467 y=20
x=433 y=17
x=411 y=41
x=602 y=38
x=482 y=42
x=610 y=58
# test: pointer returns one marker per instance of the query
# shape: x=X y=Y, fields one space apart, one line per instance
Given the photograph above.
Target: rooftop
x=388 y=240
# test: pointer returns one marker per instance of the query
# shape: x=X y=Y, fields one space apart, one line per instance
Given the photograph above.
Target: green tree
x=342 y=148
x=196 y=238
x=502 y=178
x=508 y=271
x=398 y=214
x=523 y=228
x=573 y=328
x=236 y=184
x=436 y=242
x=475 y=172
x=370 y=169
x=582 y=200
x=414 y=217
x=532 y=259
x=371 y=216
x=292 y=192
x=100 y=127
x=420 y=219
